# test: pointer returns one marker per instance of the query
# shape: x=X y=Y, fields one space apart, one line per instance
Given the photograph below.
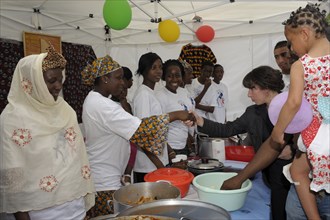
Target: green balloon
x=117 y=14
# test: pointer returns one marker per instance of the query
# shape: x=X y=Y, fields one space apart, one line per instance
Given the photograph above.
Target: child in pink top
x=310 y=75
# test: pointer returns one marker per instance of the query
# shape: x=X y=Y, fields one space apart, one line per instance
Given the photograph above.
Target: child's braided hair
x=311 y=16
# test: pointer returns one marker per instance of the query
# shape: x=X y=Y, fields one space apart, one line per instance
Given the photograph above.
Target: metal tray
x=180 y=209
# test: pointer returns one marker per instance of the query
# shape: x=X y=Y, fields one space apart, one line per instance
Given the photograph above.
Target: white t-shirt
x=160 y=85
x=286 y=80
x=137 y=82
x=178 y=131
x=188 y=87
x=188 y=91
x=145 y=104
x=196 y=88
x=108 y=128
x=217 y=96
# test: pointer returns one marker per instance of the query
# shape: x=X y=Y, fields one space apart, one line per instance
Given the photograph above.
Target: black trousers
x=279 y=186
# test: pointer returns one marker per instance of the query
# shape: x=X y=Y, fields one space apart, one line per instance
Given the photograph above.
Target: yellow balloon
x=168 y=30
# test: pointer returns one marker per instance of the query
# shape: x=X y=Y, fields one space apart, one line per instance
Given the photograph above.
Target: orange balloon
x=205 y=33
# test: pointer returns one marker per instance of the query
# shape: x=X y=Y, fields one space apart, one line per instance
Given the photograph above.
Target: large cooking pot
x=133 y=194
x=180 y=209
x=141 y=217
x=205 y=165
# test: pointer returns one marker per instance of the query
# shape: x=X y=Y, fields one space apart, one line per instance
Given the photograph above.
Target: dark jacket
x=254 y=121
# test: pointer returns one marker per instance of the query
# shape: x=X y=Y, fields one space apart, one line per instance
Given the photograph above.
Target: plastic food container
x=180 y=161
x=177 y=177
x=239 y=153
x=208 y=189
x=179 y=157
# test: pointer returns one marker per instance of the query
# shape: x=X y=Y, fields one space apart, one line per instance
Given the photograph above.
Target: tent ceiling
x=72 y=20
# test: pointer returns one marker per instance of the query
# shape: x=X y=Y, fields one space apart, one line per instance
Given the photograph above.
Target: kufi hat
x=53 y=60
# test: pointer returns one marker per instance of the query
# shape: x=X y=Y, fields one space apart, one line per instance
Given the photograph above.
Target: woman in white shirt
x=146 y=104
x=109 y=128
x=173 y=98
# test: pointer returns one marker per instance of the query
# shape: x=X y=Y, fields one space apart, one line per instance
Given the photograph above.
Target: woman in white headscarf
x=44 y=170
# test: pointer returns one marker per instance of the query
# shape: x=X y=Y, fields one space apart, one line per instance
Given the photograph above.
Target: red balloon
x=205 y=33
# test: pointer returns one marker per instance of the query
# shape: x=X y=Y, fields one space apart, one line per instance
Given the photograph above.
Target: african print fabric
x=196 y=55
x=152 y=133
x=103 y=204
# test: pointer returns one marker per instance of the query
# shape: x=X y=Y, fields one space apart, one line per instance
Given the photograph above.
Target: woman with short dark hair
x=264 y=83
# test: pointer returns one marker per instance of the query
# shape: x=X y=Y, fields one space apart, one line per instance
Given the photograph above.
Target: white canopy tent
x=245 y=31
x=82 y=21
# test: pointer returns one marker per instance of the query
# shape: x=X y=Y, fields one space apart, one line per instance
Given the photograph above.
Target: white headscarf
x=43 y=156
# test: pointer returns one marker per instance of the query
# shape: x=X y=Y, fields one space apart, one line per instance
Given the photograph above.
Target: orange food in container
x=177 y=177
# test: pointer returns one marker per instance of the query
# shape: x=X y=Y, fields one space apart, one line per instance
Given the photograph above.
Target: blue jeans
x=295 y=211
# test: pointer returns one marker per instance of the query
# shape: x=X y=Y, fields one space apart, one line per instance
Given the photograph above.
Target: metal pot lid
x=171 y=174
x=180 y=209
x=135 y=217
x=205 y=164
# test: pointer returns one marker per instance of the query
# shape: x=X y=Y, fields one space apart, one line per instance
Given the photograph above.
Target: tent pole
x=74 y=26
x=66 y=22
x=179 y=19
x=18 y=10
x=156 y=11
x=196 y=10
x=42 y=4
x=141 y=9
x=137 y=33
x=17 y=21
x=128 y=35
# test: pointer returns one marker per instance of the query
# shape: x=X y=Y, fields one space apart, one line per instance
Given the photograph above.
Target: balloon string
x=107 y=47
